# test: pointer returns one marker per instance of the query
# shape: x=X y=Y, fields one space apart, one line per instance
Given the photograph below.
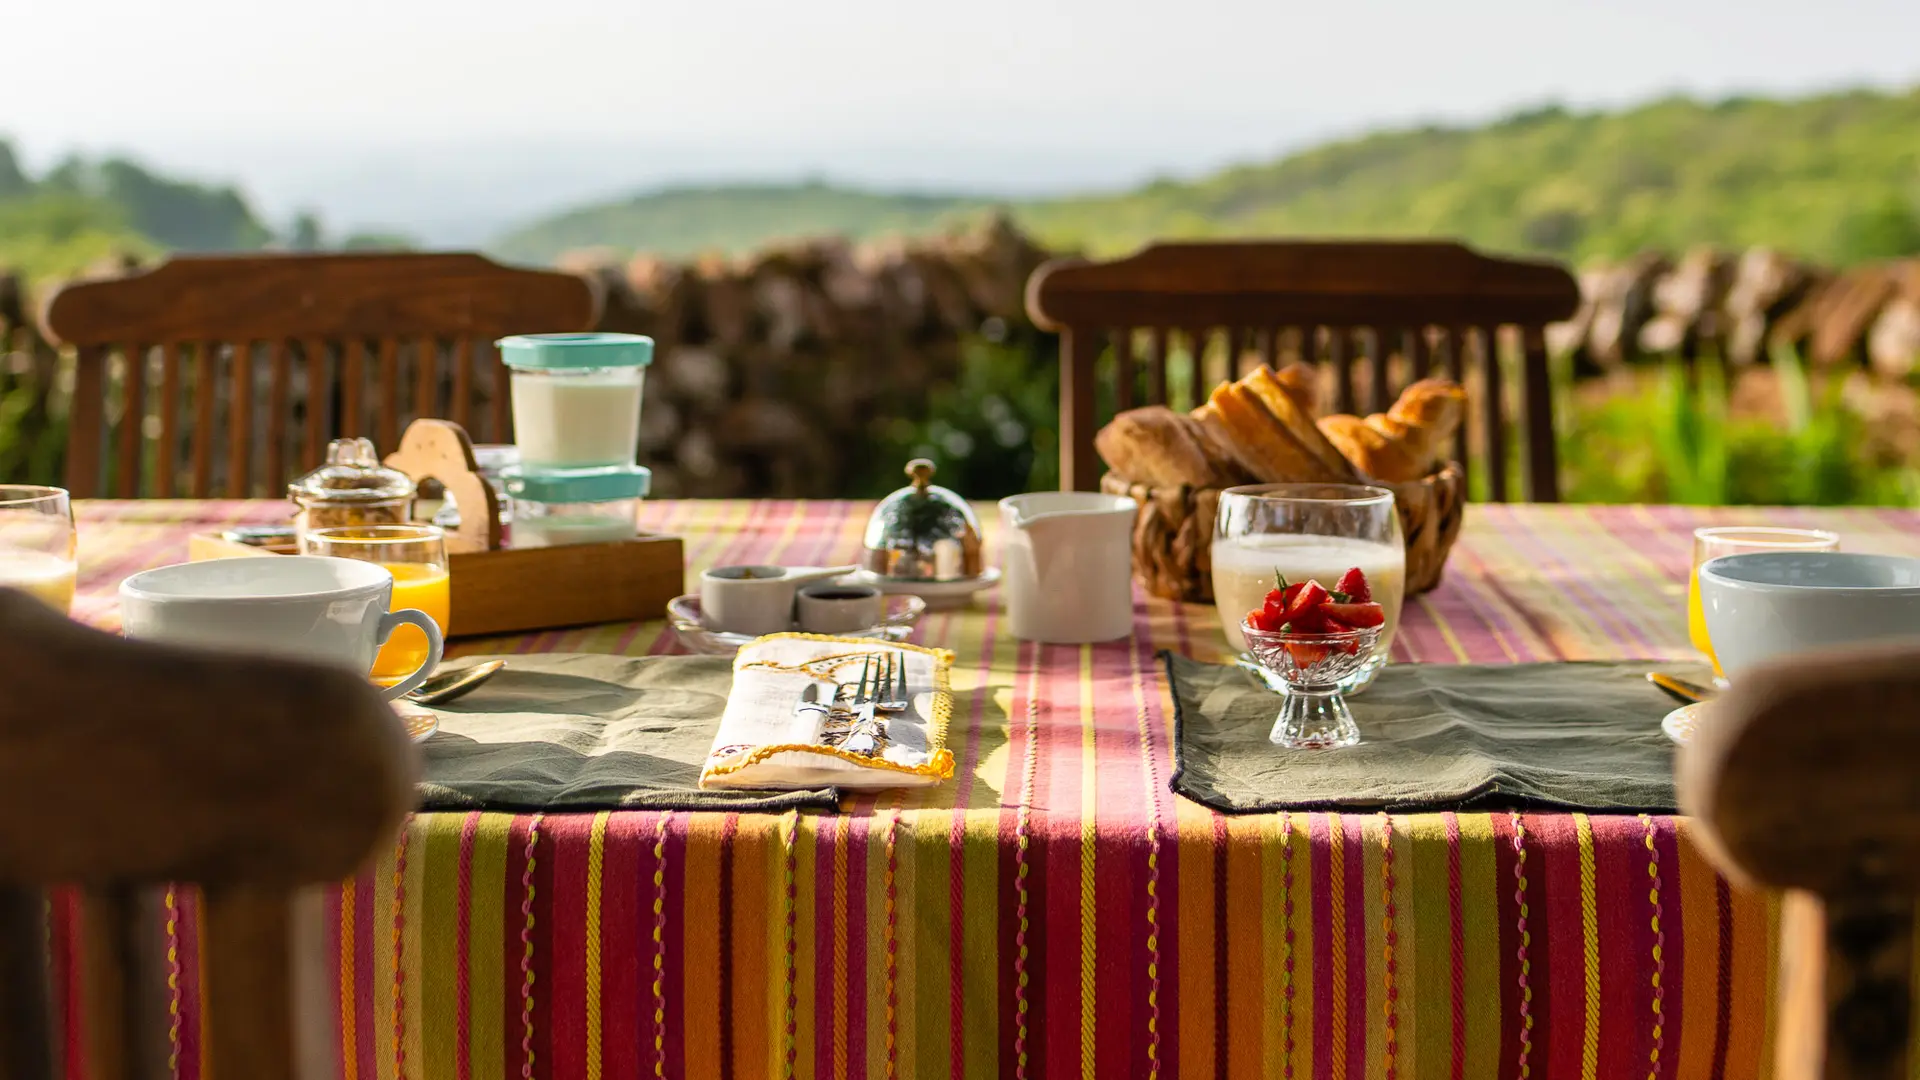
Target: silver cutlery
x=895 y=698
x=810 y=702
x=1681 y=690
x=866 y=734
x=446 y=685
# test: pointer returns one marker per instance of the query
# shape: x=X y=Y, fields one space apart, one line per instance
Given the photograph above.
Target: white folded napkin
x=768 y=739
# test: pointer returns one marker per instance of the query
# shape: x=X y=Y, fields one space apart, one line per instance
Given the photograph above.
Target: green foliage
x=172 y=213
x=692 y=220
x=1834 y=177
x=54 y=234
x=993 y=431
x=1676 y=442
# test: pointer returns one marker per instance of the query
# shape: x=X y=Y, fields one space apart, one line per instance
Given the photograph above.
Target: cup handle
x=391 y=621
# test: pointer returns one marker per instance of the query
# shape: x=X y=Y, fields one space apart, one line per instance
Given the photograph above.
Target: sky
x=463 y=113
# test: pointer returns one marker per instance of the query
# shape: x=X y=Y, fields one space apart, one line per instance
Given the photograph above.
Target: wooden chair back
x=125 y=766
x=1806 y=777
x=226 y=375
x=1373 y=314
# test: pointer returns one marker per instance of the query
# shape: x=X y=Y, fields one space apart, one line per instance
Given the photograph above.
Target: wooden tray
x=499 y=590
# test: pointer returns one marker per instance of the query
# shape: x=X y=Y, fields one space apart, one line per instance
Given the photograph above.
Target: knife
x=1679 y=689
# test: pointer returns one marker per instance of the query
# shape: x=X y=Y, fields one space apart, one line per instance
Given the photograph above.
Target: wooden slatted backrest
x=222 y=375
x=127 y=765
x=1374 y=315
x=1806 y=777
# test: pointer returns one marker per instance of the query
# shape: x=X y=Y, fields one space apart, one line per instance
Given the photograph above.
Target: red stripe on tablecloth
x=1559 y=954
x=1353 y=868
x=1456 y=950
x=674 y=915
x=187 y=932
x=856 y=1034
x=1056 y=824
x=1120 y=866
x=1574 y=585
x=563 y=897
x=1723 y=983
x=1620 y=892
x=462 y=943
x=1505 y=859
x=1320 y=874
x=626 y=929
x=1537 y=629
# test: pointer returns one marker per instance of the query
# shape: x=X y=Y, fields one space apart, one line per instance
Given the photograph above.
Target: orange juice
x=415 y=585
x=1697 y=620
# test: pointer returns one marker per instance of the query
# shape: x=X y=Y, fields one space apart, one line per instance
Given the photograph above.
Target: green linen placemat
x=557 y=731
x=1573 y=736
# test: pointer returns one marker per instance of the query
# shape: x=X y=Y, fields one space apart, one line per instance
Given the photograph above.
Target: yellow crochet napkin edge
x=939 y=764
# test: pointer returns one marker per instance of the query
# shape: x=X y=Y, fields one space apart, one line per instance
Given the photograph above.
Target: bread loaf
x=1156 y=445
x=1264 y=445
x=1432 y=410
x=1294 y=411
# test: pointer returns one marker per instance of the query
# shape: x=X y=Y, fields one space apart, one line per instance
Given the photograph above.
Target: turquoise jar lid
x=590 y=350
x=579 y=485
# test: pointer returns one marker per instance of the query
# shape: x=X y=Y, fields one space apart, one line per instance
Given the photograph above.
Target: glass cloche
x=923 y=532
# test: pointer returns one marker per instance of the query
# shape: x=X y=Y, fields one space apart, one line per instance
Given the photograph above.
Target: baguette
x=1297 y=417
x=1262 y=444
x=1432 y=410
x=1160 y=447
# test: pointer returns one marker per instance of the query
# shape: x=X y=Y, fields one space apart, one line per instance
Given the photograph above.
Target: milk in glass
x=1244 y=567
x=44 y=576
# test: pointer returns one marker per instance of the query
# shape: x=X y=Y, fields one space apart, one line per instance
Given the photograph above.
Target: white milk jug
x=1068 y=558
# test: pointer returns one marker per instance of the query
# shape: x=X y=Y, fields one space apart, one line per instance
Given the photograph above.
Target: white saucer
x=937 y=594
x=1681 y=722
x=683 y=614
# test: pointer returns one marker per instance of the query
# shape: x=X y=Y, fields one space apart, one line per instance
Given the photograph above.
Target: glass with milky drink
x=37 y=543
x=416 y=556
x=1303 y=532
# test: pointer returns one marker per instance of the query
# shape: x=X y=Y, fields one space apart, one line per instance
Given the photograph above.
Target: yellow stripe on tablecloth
x=412 y=941
x=1425 y=923
x=349 y=1027
x=487 y=976
x=437 y=920
x=1590 y=950
x=1375 y=833
x=1300 y=870
x=1480 y=927
x=1275 y=833
x=925 y=929
x=806 y=910
x=1445 y=629
x=596 y=859
x=842 y=825
x=1693 y=908
x=1089 y=907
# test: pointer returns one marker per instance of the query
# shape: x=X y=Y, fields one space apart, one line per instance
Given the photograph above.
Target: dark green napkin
x=560 y=731
x=1571 y=736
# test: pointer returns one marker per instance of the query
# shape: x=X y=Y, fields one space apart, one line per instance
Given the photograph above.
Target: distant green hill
x=1833 y=177
x=691 y=220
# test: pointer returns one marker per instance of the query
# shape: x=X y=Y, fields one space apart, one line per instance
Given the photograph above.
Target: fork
x=865 y=737
x=895 y=697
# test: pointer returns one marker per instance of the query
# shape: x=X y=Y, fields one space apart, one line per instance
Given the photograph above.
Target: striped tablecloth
x=1055 y=910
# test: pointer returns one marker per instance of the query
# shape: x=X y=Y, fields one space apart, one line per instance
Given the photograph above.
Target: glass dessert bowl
x=1313 y=667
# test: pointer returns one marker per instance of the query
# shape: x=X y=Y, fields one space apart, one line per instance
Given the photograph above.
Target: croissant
x=1406 y=442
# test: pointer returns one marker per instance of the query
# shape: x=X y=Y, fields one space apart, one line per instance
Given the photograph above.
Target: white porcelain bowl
x=1766 y=605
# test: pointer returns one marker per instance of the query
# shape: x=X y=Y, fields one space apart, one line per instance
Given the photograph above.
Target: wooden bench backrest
x=226 y=375
x=1386 y=307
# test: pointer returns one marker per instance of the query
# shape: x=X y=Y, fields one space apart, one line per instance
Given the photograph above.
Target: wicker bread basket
x=1173 y=534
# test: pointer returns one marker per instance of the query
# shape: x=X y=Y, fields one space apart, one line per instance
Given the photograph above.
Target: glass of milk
x=1308 y=532
x=576 y=398
x=37 y=543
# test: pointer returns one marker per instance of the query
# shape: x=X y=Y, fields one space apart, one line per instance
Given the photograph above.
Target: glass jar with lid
x=576 y=397
x=923 y=532
x=352 y=488
x=581 y=507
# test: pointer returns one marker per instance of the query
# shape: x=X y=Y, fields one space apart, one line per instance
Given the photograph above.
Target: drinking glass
x=416 y=556
x=1735 y=540
x=37 y=543
x=1304 y=531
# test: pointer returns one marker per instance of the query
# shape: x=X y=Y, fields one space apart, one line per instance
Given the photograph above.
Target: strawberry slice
x=1310 y=597
x=1359 y=616
x=1307 y=653
x=1354 y=584
x=1276 y=608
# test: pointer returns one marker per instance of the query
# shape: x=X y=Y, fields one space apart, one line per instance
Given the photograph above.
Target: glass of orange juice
x=416 y=555
x=1735 y=540
x=37 y=543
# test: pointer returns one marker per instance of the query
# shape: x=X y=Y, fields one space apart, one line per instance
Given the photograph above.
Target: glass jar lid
x=353 y=474
x=589 y=350
x=579 y=485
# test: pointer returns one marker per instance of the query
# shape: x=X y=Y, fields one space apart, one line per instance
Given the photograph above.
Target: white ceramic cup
x=827 y=608
x=1766 y=605
x=302 y=607
x=756 y=599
